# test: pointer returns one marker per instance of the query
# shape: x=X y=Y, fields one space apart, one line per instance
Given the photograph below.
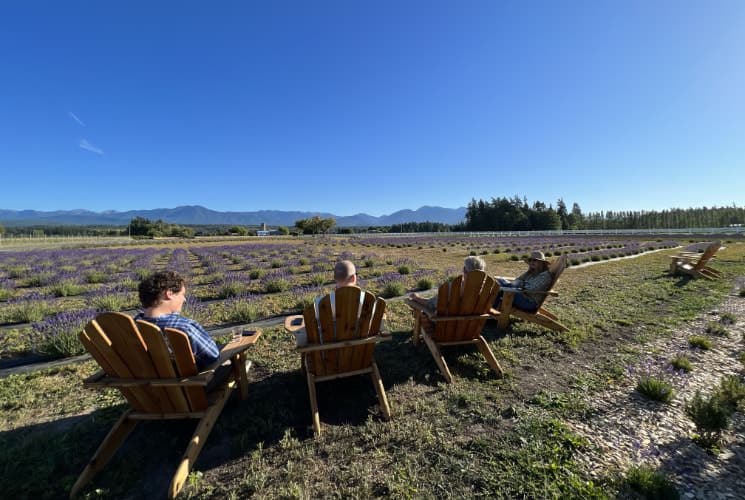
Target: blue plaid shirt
x=204 y=348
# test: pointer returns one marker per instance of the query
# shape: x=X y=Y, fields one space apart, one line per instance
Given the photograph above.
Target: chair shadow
x=400 y=361
x=45 y=459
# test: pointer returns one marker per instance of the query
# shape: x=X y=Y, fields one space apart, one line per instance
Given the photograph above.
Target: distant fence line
x=11 y=239
x=719 y=231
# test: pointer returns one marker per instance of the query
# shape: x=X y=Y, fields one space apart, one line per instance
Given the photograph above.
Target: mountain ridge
x=197 y=214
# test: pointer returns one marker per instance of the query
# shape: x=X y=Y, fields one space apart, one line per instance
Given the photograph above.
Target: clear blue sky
x=351 y=106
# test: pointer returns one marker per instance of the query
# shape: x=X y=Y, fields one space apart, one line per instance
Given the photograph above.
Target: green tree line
x=515 y=214
x=142 y=227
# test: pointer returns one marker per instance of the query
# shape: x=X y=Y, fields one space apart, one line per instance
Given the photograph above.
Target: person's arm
x=519 y=282
x=202 y=345
x=539 y=283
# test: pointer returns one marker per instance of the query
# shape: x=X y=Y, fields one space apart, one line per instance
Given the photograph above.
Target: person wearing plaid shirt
x=162 y=296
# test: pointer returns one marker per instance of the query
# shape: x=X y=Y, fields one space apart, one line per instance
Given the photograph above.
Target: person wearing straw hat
x=536 y=279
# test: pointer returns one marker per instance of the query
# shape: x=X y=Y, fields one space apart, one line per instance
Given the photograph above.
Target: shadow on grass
x=400 y=360
x=44 y=460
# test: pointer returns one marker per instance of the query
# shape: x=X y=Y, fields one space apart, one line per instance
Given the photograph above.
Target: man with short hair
x=162 y=295
x=345 y=274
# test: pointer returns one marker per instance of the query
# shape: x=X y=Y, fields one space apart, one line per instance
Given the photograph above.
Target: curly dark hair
x=152 y=288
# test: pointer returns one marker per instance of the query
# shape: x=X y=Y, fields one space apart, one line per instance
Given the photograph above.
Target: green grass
x=700 y=342
x=656 y=389
x=643 y=481
x=681 y=362
x=481 y=436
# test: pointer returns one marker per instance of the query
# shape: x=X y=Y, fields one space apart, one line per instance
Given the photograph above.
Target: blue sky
x=350 y=106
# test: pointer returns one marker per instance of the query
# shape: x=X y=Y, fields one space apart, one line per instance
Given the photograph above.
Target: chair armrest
x=420 y=307
x=237 y=346
x=343 y=343
x=294 y=322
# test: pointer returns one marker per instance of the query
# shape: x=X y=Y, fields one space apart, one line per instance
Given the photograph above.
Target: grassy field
x=481 y=436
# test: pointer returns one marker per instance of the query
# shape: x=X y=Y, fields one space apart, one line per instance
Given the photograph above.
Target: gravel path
x=625 y=428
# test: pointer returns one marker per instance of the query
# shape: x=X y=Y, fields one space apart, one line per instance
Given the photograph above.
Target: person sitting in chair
x=469 y=264
x=345 y=274
x=162 y=295
x=536 y=279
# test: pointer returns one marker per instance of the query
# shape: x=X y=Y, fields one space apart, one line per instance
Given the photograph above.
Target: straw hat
x=537 y=255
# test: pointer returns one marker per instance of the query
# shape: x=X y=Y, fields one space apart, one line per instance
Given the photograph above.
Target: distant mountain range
x=201 y=215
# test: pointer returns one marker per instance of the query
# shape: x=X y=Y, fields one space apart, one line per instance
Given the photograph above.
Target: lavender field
x=47 y=295
x=573 y=414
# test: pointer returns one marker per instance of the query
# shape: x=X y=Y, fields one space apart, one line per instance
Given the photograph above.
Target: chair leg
x=105 y=451
x=438 y=357
x=380 y=390
x=504 y=319
x=241 y=365
x=547 y=313
x=489 y=355
x=196 y=444
x=417 y=326
x=313 y=403
x=504 y=312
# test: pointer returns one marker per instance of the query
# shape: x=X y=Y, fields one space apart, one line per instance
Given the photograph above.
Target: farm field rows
x=480 y=436
x=47 y=295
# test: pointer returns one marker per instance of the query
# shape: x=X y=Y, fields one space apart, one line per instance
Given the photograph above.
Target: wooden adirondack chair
x=341 y=342
x=695 y=264
x=542 y=316
x=463 y=307
x=158 y=383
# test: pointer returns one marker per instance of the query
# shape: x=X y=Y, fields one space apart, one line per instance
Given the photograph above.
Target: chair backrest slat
x=555 y=268
x=314 y=359
x=186 y=366
x=707 y=255
x=158 y=350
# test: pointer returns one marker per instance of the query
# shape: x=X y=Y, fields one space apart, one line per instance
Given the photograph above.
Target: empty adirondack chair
x=158 y=383
x=696 y=264
x=463 y=306
x=341 y=340
x=542 y=316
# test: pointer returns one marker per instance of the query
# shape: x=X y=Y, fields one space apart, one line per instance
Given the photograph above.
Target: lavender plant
x=241 y=309
x=57 y=335
x=711 y=415
x=700 y=342
x=656 y=379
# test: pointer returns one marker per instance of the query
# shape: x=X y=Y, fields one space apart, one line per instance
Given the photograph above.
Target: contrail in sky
x=90 y=147
x=72 y=115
